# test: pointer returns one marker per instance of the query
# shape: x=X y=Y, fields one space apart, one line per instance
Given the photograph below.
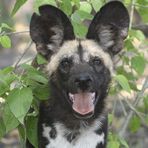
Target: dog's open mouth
x=83 y=103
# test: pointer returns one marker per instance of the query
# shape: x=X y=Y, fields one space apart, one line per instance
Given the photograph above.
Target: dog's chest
x=58 y=136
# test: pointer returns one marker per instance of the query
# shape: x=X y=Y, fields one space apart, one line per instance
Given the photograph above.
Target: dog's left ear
x=49 y=29
x=110 y=27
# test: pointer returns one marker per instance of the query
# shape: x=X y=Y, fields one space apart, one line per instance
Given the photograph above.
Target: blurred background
x=23 y=51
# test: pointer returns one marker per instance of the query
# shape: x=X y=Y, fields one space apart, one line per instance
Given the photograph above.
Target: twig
x=28 y=60
x=114 y=106
x=14 y=33
x=136 y=112
x=123 y=107
x=131 y=113
x=25 y=51
x=138 y=5
x=132 y=13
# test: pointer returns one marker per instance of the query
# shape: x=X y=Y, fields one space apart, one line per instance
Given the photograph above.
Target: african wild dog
x=80 y=72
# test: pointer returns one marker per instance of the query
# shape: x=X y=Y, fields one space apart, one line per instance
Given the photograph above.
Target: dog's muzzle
x=83 y=98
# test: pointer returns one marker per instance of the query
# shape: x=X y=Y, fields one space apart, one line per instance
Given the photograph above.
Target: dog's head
x=80 y=70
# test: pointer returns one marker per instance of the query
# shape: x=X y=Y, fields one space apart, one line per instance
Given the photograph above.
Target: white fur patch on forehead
x=92 y=49
x=68 y=49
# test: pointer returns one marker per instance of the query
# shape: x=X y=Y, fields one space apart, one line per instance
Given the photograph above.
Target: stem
x=15 y=33
x=131 y=113
x=25 y=51
x=132 y=13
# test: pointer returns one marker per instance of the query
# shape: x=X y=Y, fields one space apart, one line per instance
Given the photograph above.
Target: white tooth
x=93 y=94
x=71 y=97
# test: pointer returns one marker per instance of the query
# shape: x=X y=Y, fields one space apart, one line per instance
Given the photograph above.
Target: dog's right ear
x=110 y=27
x=49 y=29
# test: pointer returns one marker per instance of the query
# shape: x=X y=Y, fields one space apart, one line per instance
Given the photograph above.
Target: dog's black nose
x=83 y=81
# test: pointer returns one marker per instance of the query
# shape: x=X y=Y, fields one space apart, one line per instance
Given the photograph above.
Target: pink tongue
x=83 y=103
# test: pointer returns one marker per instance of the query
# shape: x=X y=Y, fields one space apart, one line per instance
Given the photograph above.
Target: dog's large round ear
x=110 y=27
x=49 y=29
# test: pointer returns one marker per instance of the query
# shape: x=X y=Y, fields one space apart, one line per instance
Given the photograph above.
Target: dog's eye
x=97 y=61
x=65 y=65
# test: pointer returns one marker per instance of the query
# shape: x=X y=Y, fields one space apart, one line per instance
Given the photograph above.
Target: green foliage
x=31 y=130
x=97 y=4
x=5 y=26
x=122 y=80
x=5 y=41
x=138 y=64
x=2 y=128
x=23 y=98
x=134 y=124
x=38 y=3
x=8 y=118
x=85 y=6
x=41 y=59
x=143 y=11
x=66 y=6
x=17 y=6
x=116 y=142
x=23 y=91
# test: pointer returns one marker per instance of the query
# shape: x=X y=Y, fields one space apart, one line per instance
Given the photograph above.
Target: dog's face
x=80 y=70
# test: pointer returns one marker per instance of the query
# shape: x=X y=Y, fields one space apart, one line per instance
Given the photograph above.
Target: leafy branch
x=132 y=111
x=22 y=55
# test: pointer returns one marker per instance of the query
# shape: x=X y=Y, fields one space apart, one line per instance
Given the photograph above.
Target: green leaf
x=127 y=1
x=137 y=34
x=2 y=128
x=78 y=16
x=143 y=11
x=30 y=69
x=41 y=59
x=34 y=74
x=66 y=6
x=129 y=45
x=122 y=80
x=17 y=5
x=6 y=70
x=19 y=101
x=97 y=4
x=4 y=25
x=134 y=124
x=10 y=120
x=4 y=87
x=128 y=75
x=22 y=132
x=75 y=17
x=77 y=3
x=123 y=143
x=138 y=63
x=38 y=3
x=44 y=92
x=113 y=144
x=133 y=85
x=110 y=118
x=5 y=41
x=5 y=81
x=85 y=6
x=38 y=78
x=145 y=101
x=79 y=29
x=31 y=130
